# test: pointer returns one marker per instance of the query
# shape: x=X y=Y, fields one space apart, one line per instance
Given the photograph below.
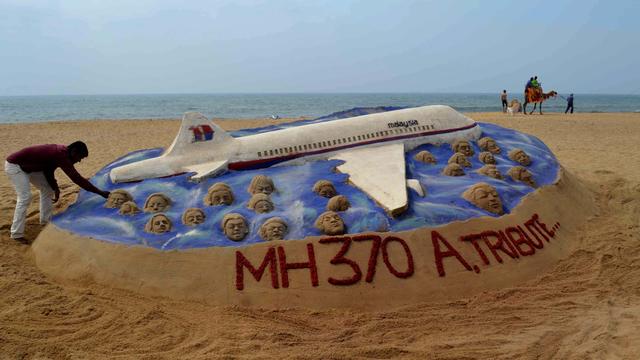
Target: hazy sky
x=141 y=46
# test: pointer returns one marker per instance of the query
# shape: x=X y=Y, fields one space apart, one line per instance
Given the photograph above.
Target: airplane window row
x=345 y=140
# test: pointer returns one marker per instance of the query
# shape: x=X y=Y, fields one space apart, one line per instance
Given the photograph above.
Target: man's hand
x=104 y=194
x=56 y=195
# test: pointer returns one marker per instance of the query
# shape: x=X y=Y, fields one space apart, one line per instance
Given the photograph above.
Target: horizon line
x=301 y=93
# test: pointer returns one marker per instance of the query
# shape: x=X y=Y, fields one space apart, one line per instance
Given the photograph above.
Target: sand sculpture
x=260 y=203
x=460 y=159
x=520 y=173
x=325 y=188
x=519 y=156
x=487 y=157
x=453 y=169
x=462 y=146
x=219 y=194
x=330 y=223
x=158 y=224
x=193 y=216
x=490 y=170
x=235 y=226
x=488 y=144
x=425 y=157
x=261 y=184
x=129 y=208
x=157 y=202
x=274 y=228
x=117 y=198
x=431 y=252
x=338 y=203
x=485 y=197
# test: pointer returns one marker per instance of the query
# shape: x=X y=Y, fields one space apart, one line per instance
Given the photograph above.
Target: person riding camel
x=528 y=85
x=533 y=94
x=535 y=83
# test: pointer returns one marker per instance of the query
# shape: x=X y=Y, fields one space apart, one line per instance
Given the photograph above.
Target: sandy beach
x=587 y=306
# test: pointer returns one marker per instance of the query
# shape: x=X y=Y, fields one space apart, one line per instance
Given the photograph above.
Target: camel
x=514 y=107
x=535 y=96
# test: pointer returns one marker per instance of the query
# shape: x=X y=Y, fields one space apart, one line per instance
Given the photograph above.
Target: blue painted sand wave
x=297 y=203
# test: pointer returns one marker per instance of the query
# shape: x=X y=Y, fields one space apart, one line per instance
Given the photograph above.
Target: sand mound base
x=368 y=271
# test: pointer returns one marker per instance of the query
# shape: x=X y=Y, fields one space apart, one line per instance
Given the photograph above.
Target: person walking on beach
x=503 y=98
x=36 y=165
x=569 y=104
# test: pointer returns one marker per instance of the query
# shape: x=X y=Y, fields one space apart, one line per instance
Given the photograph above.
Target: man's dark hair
x=79 y=148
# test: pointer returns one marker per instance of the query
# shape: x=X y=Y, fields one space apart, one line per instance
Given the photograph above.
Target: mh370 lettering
x=515 y=241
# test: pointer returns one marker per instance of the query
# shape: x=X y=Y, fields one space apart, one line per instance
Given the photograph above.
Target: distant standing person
x=569 y=104
x=36 y=165
x=503 y=98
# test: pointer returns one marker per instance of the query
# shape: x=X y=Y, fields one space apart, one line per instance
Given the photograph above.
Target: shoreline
x=301 y=117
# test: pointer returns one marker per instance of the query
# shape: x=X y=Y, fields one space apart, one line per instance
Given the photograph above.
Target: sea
x=30 y=109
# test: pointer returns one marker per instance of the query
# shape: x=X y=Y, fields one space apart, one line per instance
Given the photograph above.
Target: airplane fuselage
x=214 y=152
x=319 y=141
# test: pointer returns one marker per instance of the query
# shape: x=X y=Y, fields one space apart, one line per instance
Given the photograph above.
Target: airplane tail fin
x=195 y=131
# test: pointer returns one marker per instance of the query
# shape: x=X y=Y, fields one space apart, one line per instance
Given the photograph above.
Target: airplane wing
x=207 y=169
x=379 y=172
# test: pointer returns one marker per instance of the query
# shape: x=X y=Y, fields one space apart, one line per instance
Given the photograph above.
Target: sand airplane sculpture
x=536 y=96
x=280 y=237
x=372 y=147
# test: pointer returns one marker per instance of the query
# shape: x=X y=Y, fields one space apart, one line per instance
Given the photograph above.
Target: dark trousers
x=504 y=105
x=569 y=106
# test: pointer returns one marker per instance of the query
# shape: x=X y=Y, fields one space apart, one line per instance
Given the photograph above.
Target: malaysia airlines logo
x=202 y=133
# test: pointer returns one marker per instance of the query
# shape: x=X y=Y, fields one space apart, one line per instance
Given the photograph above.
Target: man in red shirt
x=36 y=165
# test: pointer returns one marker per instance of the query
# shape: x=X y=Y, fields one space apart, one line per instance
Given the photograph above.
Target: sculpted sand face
x=487 y=158
x=156 y=203
x=117 y=198
x=338 y=203
x=274 y=228
x=460 y=159
x=485 y=197
x=520 y=173
x=330 y=223
x=425 y=157
x=219 y=194
x=519 y=156
x=235 y=226
x=193 y=216
x=129 y=208
x=453 y=169
x=158 y=224
x=261 y=184
x=462 y=146
x=490 y=171
x=488 y=144
x=260 y=203
x=324 y=188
